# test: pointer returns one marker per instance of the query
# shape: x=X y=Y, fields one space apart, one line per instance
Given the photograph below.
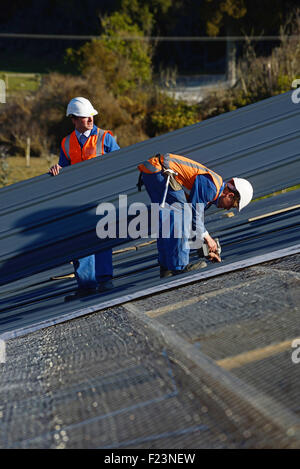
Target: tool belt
x=174 y=184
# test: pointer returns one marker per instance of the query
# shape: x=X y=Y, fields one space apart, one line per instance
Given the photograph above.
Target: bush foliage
x=116 y=76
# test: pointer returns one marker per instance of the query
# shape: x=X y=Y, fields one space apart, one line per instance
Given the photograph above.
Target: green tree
x=147 y=13
x=222 y=14
x=119 y=32
x=246 y=16
x=124 y=62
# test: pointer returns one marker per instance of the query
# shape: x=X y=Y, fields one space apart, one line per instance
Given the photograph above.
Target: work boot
x=164 y=272
x=193 y=266
x=105 y=286
x=80 y=293
x=190 y=267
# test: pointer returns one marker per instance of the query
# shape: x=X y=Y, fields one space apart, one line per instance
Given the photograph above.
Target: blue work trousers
x=94 y=269
x=173 y=251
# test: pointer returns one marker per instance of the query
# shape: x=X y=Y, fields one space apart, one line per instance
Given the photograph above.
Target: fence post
x=27 y=153
x=231 y=62
x=6 y=81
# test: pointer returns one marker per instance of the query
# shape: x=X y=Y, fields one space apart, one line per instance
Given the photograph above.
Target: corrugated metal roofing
x=35 y=300
x=48 y=221
x=151 y=373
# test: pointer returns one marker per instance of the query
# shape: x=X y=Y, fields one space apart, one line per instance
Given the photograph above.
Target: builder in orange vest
x=93 y=273
x=176 y=179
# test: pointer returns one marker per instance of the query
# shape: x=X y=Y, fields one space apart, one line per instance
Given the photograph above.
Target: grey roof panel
x=46 y=223
x=48 y=302
x=30 y=301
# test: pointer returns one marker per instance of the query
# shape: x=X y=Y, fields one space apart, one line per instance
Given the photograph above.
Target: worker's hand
x=212 y=245
x=54 y=170
x=214 y=257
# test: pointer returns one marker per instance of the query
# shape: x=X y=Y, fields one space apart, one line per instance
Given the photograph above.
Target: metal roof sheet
x=140 y=367
x=35 y=300
x=45 y=222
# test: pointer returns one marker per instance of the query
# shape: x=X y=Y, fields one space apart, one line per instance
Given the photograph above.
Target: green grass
x=288 y=189
x=20 y=82
x=17 y=65
x=17 y=170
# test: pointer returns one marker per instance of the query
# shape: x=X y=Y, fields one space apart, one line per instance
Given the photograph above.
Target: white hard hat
x=80 y=107
x=245 y=190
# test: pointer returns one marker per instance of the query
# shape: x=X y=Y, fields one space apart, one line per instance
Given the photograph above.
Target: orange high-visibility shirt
x=94 y=146
x=187 y=170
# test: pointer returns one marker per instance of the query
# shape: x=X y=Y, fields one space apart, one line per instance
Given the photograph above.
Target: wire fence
x=215 y=54
x=149 y=38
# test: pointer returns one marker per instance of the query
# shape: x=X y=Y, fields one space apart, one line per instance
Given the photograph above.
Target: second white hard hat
x=245 y=190
x=80 y=107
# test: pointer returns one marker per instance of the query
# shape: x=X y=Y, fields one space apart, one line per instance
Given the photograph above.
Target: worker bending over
x=192 y=182
x=85 y=142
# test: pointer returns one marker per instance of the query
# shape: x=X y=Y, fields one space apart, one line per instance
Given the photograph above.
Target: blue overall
x=173 y=252
x=96 y=268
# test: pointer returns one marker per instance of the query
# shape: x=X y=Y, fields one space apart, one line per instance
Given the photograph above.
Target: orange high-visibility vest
x=94 y=146
x=187 y=170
